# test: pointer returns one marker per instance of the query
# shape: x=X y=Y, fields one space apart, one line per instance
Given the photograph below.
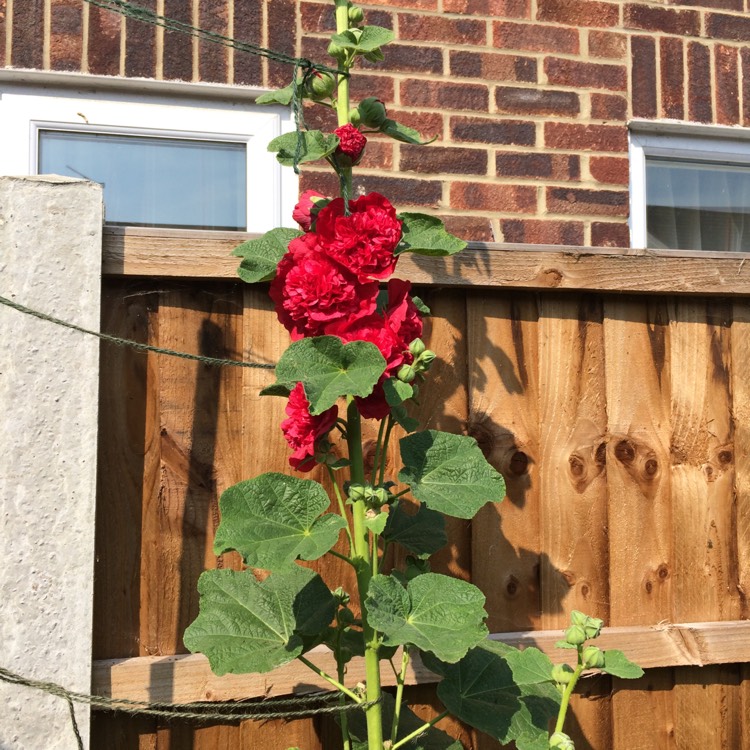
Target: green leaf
x=565 y=644
x=330 y=369
x=431 y=739
x=501 y=691
x=313 y=145
x=403 y=133
x=426 y=235
x=274 y=519
x=434 y=612
x=280 y=96
x=262 y=255
x=618 y=665
x=370 y=39
x=249 y=626
x=402 y=418
x=449 y=473
x=377 y=523
x=422 y=533
x=396 y=391
x=420 y=305
x=346 y=643
x=276 y=389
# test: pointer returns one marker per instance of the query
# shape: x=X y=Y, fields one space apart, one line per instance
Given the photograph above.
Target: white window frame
x=676 y=141
x=144 y=108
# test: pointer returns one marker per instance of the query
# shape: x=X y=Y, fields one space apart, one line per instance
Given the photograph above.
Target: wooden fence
x=611 y=389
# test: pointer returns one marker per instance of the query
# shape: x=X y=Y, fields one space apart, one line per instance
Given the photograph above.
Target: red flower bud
x=351 y=142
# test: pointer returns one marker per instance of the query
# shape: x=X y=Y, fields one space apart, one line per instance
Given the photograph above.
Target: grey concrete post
x=50 y=260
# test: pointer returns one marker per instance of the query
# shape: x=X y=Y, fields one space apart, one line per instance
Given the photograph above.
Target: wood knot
x=519 y=463
x=585 y=590
x=577 y=467
x=662 y=572
x=651 y=467
x=511 y=586
x=725 y=457
x=600 y=456
x=625 y=452
x=551 y=277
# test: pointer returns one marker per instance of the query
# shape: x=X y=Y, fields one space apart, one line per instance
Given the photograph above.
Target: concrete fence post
x=50 y=260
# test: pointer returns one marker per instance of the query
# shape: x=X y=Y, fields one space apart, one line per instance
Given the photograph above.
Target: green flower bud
x=406 y=373
x=578 y=618
x=372 y=112
x=354 y=117
x=334 y=50
x=575 y=635
x=320 y=85
x=356 y=15
x=561 y=741
x=562 y=673
x=357 y=492
x=381 y=496
x=593 y=627
x=340 y=596
x=593 y=657
x=426 y=358
x=416 y=347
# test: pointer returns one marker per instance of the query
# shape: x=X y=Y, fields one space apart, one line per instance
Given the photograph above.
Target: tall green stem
x=569 y=688
x=342 y=93
x=364 y=574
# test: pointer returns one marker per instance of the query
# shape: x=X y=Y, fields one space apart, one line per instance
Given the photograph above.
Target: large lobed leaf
x=302 y=146
x=367 y=39
x=329 y=369
x=434 y=612
x=422 y=533
x=426 y=235
x=449 y=473
x=502 y=691
x=618 y=665
x=261 y=255
x=249 y=626
x=274 y=519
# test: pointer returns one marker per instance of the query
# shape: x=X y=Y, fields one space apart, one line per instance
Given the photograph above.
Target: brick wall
x=529 y=99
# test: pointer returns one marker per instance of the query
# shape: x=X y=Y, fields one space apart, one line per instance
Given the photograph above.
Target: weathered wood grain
x=572 y=472
x=504 y=419
x=638 y=440
x=149 y=252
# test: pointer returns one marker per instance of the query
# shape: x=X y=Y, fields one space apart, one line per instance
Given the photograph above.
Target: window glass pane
x=165 y=182
x=695 y=205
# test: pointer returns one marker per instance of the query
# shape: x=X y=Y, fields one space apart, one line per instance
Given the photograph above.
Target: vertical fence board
x=705 y=582
x=503 y=387
x=636 y=334
x=572 y=450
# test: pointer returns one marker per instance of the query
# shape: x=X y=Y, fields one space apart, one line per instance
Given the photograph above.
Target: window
x=169 y=161
x=690 y=188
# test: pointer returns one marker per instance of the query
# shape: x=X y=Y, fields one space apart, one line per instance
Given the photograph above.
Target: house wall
x=529 y=99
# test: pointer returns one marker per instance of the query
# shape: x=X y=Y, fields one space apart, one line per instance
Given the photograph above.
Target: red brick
x=248 y=15
x=609 y=234
x=608 y=44
x=427 y=124
x=324 y=181
x=591 y=137
x=533 y=101
x=380 y=87
x=28 y=35
x=427 y=28
x=178 y=48
x=470 y=228
x=535 y=37
x=643 y=72
x=700 y=108
x=66 y=35
x=609 y=107
x=494 y=8
x=440 y=95
x=672 y=56
x=447 y=160
x=745 y=60
x=281 y=31
x=3 y=27
x=378 y=155
x=212 y=58
x=567 y=200
x=493 y=131
x=536 y=232
x=318 y=17
x=732 y=28
x=104 y=42
x=406 y=58
x=400 y=191
x=476 y=196
x=724 y=4
x=727 y=85
x=648 y=18
x=590 y=13
x=415 y=4
x=563 y=72
x=140 y=46
x=610 y=169
x=535 y=165
x=490 y=66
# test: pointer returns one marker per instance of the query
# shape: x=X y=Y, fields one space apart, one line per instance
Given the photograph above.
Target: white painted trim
x=24 y=109
x=676 y=140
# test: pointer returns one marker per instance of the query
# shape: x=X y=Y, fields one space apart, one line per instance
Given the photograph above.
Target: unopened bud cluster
x=423 y=359
x=561 y=741
x=373 y=497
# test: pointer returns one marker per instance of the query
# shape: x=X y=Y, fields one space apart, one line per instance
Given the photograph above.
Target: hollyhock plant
x=364 y=239
x=357 y=344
